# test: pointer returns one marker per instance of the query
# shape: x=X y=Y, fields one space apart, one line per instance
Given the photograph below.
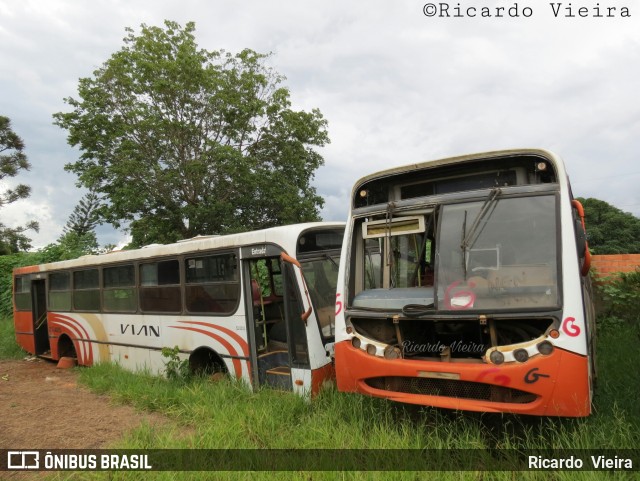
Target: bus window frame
x=201 y=255
x=69 y=290
x=515 y=193
x=312 y=257
x=74 y=289
x=141 y=288
x=25 y=283
x=437 y=202
x=135 y=287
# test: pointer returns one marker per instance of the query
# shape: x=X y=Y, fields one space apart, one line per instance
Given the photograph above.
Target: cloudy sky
x=397 y=86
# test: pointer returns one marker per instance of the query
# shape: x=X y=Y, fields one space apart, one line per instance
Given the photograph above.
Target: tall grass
x=227 y=415
x=9 y=348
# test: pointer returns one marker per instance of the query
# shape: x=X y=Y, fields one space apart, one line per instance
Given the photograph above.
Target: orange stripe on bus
x=243 y=344
x=236 y=362
x=87 y=348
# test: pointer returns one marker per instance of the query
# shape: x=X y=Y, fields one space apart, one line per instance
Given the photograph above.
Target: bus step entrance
x=46 y=355
x=279 y=378
x=274 y=370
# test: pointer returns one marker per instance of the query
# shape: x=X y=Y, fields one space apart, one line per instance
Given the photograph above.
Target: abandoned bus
x=258 y=306
x=463 y=285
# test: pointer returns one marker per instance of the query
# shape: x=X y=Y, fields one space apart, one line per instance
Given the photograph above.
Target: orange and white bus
x=258 y=306
x=463 y=284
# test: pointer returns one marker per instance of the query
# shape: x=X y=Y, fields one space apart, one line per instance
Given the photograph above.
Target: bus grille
x=451 y=388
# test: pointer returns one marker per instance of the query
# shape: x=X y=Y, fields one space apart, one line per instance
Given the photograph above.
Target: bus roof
x=276 y=235
x=462 y=159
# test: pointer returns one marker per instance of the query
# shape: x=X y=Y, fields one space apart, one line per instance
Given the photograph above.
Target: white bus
x=239 y=304
x=463 y=285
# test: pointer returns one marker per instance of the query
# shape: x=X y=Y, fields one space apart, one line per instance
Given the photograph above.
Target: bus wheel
x=66 y=347
x=66 y=353
x=205 y=362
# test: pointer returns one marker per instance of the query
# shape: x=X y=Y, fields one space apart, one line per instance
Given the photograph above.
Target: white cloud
x=396 y=86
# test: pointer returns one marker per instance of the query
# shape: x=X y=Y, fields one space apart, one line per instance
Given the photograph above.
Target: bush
x=176 y=369
x=9 y=348
x=620 y=298
x=69 y=246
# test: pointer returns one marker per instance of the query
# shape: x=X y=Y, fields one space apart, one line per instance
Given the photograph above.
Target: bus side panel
x=322 y=376
x=225 y=336
x=561 y=375
x=82 y=329
x=135 y=358
x=571 y=395
x=23 y=322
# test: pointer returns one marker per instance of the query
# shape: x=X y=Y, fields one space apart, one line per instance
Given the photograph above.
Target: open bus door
x=296 y=323
x=275 y=327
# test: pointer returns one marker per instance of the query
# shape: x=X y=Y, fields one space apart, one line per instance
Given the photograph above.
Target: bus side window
x=212 y=284
x=22 y=294
x=86 y=290
x=60 y=291
x=160 y=286
x=119 y=291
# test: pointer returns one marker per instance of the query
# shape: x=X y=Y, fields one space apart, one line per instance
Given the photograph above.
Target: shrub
x=621 y=298
x=176 y=369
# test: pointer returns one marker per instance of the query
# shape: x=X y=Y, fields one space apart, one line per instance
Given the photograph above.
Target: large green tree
x=183 y=141
x=12 y=161
x=609 y=229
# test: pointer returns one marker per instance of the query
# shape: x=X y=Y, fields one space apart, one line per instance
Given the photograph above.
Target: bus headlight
x=545 y=348
x=391 y=352
x=371 y=349
x=520 y=355
x=496 y=357
x=355 y=342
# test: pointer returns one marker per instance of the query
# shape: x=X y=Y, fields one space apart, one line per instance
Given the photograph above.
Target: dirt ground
x=43 y=407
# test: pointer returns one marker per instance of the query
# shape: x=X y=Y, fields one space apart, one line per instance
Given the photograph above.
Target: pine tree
x=12 y=161
x=84 y=217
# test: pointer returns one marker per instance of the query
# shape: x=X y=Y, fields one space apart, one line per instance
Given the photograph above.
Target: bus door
x=275 y=329
x=39 y=313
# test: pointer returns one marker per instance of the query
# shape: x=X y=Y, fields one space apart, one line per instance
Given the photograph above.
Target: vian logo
x=144 y=330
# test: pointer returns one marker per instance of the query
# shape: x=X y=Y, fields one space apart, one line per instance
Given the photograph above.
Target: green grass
x=228 y=415
x=9 y=348
x=225 y=414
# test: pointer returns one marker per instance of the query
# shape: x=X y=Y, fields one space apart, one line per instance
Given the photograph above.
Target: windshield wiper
x=488 y=203
x=469 y=239
x=330 y=259
x=417 y=310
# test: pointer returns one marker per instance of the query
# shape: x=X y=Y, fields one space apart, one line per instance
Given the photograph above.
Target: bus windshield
x=497 y=253
x=321 y=276
x=503 y=258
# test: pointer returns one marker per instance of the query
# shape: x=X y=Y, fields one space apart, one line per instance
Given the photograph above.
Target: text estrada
x=573 y=462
